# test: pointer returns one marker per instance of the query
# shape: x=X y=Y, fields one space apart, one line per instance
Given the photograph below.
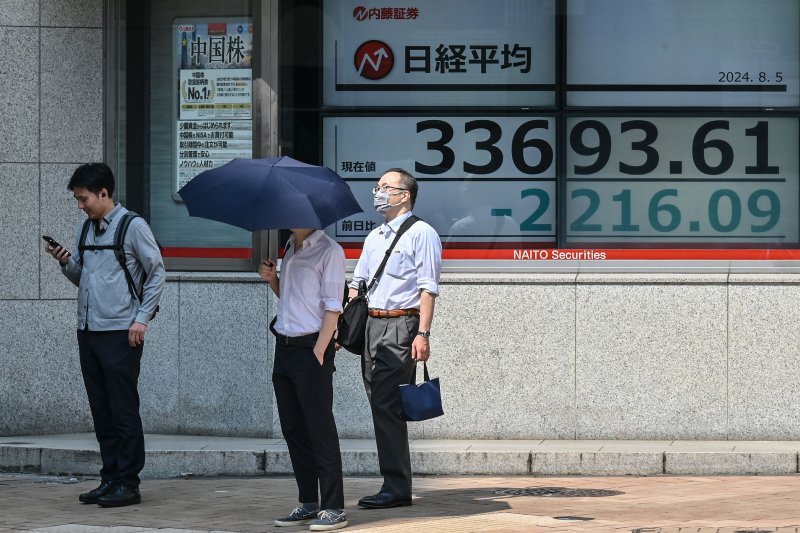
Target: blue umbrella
x=275 y=193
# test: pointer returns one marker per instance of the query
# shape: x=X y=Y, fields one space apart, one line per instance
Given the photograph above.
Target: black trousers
x=110 y=369
x=386 y=365
x=304 y=393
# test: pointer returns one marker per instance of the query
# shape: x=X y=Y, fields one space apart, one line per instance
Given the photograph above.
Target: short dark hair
x=93 y=177
x=408 y=182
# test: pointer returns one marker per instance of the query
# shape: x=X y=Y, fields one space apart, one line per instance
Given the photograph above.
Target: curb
x=359 y=459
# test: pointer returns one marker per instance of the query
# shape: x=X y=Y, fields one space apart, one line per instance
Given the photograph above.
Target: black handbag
x=351 y=330
x=423 y=401
x=352 y=326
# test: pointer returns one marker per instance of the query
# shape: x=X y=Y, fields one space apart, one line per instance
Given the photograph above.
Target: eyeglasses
x=385 y=188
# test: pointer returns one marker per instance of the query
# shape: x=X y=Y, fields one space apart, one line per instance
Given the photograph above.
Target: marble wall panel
x=19 y=12
x=640 y=359
x=19 y=231
x=71 y=95
x=19 y=93
x=505 y=358
x=72 y=13
x=59 y=218
x=651 y=359
x=225 y=359
x=764 y=384
x=159 y=381
x=41 y=388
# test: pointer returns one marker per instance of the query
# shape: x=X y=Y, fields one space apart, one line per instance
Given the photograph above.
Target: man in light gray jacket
x=115 y=305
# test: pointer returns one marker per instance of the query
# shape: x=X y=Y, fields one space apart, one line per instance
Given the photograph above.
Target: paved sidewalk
x=665 y=504
x=240 y=485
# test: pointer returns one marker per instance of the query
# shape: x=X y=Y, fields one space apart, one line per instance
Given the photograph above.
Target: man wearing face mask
x=398 y=329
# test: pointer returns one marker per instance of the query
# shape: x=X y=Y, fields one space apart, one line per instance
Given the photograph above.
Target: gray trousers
x=386 y=365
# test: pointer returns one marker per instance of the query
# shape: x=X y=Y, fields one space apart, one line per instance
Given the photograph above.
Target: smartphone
x=52 y=242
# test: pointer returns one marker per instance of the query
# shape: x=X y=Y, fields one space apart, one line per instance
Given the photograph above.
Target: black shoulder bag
x=351 y=331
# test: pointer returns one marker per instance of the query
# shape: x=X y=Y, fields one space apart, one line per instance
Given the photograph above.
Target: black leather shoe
x=383 y=500
x=91 y=496
x=120 y=496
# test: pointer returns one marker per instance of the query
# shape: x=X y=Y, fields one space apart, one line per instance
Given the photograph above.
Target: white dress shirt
x=311 y=283
x=415 y=264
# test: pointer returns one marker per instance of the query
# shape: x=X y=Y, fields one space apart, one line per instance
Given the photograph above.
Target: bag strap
x=117 y=247
x=119 y=252
x=407 y=223
x=82 y=240
x=362 y=291
x=424 y=373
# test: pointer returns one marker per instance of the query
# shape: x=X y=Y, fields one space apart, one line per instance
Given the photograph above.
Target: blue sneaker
x=300 y=516
x=328 y=520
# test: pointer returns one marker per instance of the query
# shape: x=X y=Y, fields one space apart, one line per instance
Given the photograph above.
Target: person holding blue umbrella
x=310 y=291
x=277 y=193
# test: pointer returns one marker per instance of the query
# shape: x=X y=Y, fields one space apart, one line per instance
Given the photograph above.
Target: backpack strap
x=119 y=251
x=118 y=247
x=82 y=240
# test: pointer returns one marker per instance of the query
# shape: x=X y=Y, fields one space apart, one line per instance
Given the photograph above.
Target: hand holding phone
x=54 y=244
x=267 y=271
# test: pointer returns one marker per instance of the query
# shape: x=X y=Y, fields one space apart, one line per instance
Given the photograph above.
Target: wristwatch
x=426 y=334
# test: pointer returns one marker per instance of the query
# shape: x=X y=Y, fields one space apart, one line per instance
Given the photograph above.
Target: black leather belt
x=309 y=340
x=302 y=340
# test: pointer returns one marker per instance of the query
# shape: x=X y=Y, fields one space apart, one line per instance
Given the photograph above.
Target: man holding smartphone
x=309 y=292
x=112 y=323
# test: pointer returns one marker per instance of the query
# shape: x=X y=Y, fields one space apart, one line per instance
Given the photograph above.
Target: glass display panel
x=716 y=181
x=480 y=102
x=443 y=53
x=200 y=117
x=484 y=181
x=729 y=53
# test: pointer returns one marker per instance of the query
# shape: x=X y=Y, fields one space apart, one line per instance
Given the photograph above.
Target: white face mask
x=381 y=201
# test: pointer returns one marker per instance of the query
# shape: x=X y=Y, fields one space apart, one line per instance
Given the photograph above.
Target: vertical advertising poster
x=214 y=84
